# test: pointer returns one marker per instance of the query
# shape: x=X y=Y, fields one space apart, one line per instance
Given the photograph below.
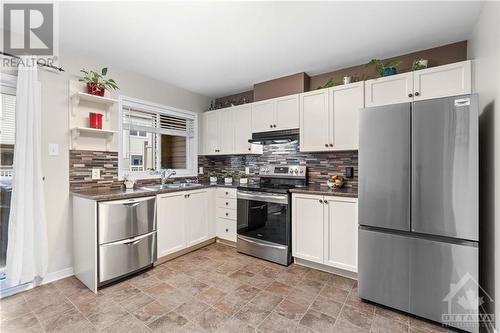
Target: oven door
x=264 y=216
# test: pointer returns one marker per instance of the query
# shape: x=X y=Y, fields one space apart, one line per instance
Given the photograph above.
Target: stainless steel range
x=264 y=213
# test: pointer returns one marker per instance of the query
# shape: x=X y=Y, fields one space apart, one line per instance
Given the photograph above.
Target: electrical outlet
x=96 y=173
x=247 y=170
x=200 y=170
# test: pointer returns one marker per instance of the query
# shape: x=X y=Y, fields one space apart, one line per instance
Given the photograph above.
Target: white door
x=341 y=233
x=197 y=220
x=392 y=89
x=314 y=121
x=242 y=116
x=210 y=132
x=287 y=112
x=263 y=116
x=226 y=131
x=171 y=230
x=307 y=227
x=442 y=81
x=345 y=102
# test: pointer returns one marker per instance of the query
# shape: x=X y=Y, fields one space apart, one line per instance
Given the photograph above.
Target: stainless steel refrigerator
x=418 y=208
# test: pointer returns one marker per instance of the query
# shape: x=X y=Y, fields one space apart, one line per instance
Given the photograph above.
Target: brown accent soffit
x=283 y=86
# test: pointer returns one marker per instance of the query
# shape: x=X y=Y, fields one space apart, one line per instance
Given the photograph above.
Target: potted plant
x=243 y=178
x=212 y=176
x=228 y=177
x=97 y=83
x=419 y=64
x=384 y=69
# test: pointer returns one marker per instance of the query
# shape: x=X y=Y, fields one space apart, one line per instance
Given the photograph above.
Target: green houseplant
x=228 y=177
x=419 y=64
x=384 y=69
x=212 y=175
x=243 y=178
x=328 y=84
x=96 y=82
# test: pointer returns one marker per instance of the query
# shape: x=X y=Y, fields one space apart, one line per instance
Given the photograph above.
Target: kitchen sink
x=160 y=187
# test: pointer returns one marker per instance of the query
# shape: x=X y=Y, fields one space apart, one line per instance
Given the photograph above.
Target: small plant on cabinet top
x=96 y=82
x=389 y=68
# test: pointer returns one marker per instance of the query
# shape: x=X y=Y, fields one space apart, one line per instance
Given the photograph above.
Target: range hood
x=273 y=137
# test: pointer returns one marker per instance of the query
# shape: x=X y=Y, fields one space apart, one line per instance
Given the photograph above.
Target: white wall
x=484 y=49
x=55 y=130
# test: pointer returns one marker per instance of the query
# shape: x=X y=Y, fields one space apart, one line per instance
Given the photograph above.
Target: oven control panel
x=284 y=171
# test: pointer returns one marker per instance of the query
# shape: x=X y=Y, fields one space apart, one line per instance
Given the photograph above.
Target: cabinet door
x=210 y=132
x=392 y=89
x=242 y=116
x=226 y=131
x=287 y=112
x=345 y=103
x=307 y=227
x=263 y=116
x=341 y=233
x=197 y=228
x=314 y=121
x=171 y=229
x=442 y=81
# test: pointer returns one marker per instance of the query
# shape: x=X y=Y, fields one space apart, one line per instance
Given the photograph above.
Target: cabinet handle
x=271 y=126
x=320 y=201
x=227 y=214
x=227 y=193
x=274 y=125
x=326 y=144
x=227 y=203
x=331 y=144
x=417 y=93
x=227 y=230
x=249 y=148
x=410 y=95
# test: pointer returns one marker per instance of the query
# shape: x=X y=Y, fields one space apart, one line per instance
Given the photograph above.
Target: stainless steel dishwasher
x=127 y=237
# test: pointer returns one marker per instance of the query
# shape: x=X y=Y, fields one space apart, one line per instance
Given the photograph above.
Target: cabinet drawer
x=226 y=229
x=122 y=219
x=226 y=193
x=227 y=203
x=226 y=213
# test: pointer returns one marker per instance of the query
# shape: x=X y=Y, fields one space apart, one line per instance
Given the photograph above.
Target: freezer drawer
x=122 y=219
x=384 y=167
x=435 y=266
x=384 y=268
x=126 y=256
x=445 y=167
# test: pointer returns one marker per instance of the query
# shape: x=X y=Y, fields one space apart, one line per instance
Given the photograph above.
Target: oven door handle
x=263 y=197
x=262 y=243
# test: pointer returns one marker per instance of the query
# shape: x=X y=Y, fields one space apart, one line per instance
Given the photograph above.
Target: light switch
x=96 y=173
x=247 y=170
x=53 y=149
x=200 y=170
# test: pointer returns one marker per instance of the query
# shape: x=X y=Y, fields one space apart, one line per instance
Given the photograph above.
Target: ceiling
x=219 y=48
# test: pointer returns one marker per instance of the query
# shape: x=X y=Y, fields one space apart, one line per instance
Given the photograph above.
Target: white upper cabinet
x=314 y=121
x=226 y=131
x=262 y=116
x=345 y=103
x=286 y=112
x=386 y=90
x=441 y=81
x=447 y=80
x=210 y=132
x=275 y=114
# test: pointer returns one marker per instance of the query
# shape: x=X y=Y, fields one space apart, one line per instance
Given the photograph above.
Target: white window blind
x=157 y=123
x=7 y=119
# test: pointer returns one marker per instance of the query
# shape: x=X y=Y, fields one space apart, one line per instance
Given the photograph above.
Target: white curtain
x=27 y=242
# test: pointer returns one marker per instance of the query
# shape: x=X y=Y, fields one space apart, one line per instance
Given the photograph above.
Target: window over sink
x=155 y=137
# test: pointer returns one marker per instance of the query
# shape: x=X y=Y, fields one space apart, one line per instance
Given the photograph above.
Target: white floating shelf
x=86 y=131
x=106 y=102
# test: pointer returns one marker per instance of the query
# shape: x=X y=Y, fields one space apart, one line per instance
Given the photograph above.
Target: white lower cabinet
x=324 y=230
x=183 y=220
x=226 y=214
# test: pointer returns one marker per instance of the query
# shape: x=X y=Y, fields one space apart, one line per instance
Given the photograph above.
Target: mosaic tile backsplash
x=320 y=166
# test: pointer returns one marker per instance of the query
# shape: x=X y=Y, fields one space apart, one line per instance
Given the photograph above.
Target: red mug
x=95 y=120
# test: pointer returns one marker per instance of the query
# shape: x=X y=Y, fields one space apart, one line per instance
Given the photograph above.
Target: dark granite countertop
x=347 y=192
x=140 y=191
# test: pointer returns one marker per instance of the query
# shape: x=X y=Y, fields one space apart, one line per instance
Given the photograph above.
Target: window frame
x=192 y=145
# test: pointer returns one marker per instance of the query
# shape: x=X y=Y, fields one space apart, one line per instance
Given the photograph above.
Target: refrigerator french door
x=418 y=204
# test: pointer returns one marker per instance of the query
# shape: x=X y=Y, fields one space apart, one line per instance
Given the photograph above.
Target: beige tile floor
x=214 y=289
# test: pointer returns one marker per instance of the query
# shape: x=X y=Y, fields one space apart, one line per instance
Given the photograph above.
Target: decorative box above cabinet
x=441 y=81
x=275 y=114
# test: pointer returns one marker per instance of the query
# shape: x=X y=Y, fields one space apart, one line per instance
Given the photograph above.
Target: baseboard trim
x=50 y=277
x=182 y=252
x=226 y=242
x=326 y=268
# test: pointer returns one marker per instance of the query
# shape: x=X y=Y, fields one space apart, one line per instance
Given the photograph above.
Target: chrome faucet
x=165 y=174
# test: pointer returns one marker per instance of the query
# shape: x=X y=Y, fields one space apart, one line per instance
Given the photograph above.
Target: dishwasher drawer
x=126 y=256
x=122 y=219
